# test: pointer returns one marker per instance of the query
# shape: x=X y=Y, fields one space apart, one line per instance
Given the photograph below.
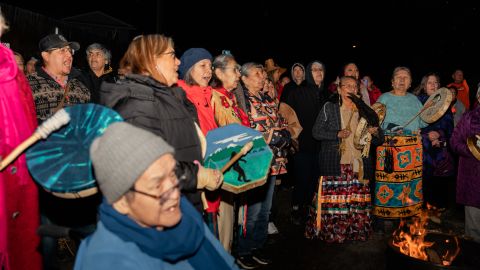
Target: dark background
x=425 y=35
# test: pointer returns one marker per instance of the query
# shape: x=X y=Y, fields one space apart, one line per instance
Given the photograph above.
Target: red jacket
x=462 y=93
x=374 y=94
x=201 y=97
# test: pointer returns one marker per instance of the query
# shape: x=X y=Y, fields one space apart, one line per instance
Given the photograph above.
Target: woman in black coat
x=147 y=99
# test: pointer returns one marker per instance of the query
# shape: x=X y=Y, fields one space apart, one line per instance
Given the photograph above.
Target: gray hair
x=245 y=70
x=398 y=69
x=219 y=62
x=98 y=46
x=222 y=60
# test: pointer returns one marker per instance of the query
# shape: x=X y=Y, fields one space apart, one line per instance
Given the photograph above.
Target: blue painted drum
x=398 y=175
x=248 y=172
x=61 y=164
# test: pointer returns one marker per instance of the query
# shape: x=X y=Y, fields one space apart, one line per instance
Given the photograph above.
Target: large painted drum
x=398 y=187
x=248 y=172
x=61 y=164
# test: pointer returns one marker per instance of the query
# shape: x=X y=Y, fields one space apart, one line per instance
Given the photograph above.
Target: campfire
x=413 y=239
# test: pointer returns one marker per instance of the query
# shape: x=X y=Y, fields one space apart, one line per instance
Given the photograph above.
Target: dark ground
x=290 y=250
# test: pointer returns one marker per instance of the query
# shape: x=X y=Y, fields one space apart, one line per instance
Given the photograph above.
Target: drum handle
x=427 y=105
x=18 y=150
x=53 y=123
x=242 y=152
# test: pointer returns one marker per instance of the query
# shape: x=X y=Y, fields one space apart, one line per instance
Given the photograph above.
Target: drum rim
x=242 y=188
x=381 y=116
x=442 y=110
x=472 y=146
x=362 y=124
x=76 y=195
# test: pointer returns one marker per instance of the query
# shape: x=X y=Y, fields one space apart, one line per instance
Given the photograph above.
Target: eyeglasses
x=172 y=53
x=165 y=196
x=349 y=86
x=63 y=50
x=234 y=68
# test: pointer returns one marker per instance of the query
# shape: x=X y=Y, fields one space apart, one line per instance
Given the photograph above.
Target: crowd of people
x=159 y=207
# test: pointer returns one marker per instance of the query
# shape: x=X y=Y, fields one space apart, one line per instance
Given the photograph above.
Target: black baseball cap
x=55 y=41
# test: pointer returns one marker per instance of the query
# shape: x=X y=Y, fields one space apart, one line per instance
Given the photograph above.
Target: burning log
x=410 y=238
x=415 y=246
x=433 y=256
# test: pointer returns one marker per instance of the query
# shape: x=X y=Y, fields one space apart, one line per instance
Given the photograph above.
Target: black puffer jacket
x=165 y=111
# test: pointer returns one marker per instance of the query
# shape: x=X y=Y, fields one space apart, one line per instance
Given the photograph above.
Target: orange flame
x=413 y=244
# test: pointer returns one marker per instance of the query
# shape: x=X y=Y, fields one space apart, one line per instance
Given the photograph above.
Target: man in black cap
x=56 y=85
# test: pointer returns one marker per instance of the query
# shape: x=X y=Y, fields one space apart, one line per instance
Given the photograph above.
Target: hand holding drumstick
x=53 y=123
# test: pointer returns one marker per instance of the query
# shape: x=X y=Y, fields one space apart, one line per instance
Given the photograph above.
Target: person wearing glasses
x=144 y=221
x=147 y=99
x=349 y=69
x=225 y=79
x=342 y=206
x=56 y=84
x=306 y=100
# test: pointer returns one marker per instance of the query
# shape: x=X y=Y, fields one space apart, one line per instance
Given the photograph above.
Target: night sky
x=425 y=35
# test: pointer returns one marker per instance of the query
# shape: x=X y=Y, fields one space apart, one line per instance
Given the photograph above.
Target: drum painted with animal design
x=398 y=175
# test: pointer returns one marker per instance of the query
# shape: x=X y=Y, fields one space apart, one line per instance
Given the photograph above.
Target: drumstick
x=53 y=123
x=427 y=105
x=242 y=152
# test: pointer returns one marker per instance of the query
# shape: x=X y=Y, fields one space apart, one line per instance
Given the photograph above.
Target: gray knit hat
x=121 y=155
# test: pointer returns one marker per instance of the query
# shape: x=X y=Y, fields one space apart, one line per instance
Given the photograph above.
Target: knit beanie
x=121 y=155
x=190 y=57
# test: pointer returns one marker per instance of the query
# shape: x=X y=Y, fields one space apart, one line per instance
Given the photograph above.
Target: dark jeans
x=306 y=174
x=259 y=201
